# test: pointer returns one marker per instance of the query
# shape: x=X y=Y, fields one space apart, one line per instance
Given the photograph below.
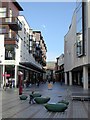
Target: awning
x=32 y=66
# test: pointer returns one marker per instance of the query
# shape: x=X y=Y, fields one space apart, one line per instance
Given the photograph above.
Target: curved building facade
x=76 y=47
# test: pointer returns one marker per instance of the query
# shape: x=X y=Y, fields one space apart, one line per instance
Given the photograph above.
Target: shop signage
x=6 y=75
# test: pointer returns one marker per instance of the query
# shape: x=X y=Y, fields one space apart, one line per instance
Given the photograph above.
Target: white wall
x=24 y=55
x=2 y=49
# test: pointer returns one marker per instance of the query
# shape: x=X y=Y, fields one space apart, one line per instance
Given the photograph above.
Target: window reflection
x=81 y=27
x=9 y=52
x=79 y=34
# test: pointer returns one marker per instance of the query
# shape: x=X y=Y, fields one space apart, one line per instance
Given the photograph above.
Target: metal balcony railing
x=13 y=22
x=12 y=36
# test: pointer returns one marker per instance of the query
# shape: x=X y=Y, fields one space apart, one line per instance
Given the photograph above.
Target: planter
x=42 y=100
x=56 y=107
x=64 y=101
x=23 y=97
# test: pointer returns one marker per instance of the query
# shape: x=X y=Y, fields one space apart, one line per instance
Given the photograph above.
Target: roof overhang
x=17 y=5
x=32 y=66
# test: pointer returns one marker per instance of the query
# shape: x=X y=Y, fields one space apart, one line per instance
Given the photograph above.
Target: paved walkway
x=13 y=107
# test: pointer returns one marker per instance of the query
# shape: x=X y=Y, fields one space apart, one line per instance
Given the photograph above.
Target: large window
x=9 y=52
x=2 y=12
x=80 y=21
x=79 y=27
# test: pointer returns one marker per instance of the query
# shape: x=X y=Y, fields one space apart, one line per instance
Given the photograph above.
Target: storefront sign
x=6 y=75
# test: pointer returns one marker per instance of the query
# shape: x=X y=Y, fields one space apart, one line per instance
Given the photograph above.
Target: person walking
x=61 y=82
x=31 y=101
x=38 y=83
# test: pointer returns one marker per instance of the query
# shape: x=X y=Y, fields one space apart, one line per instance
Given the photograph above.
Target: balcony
x=38 y=47
x=11 y=39
x=37 y=55
x=13 y=23
x=43 y=62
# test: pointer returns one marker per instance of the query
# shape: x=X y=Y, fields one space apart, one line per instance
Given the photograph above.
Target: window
x=24 y=40
x=79 y=44
x=80 y=22
x=79 y=48
x=9 y=52
x=2 y=30
x=2 y=12
x=30 y=46
x=24 y=30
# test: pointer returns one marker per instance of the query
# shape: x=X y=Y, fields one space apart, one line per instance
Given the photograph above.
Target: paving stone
x=13 y=107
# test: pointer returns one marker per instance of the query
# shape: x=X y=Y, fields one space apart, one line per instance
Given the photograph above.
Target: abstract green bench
x=56 y=107
x=36 y=95
x=64 y=101
x=41 y=100
x=23 y=97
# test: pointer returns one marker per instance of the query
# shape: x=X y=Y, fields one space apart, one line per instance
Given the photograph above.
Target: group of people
x=9 y=84
x=28 y=83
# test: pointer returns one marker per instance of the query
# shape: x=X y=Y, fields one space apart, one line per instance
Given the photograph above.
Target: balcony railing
x=13 y=22
x=12 y=39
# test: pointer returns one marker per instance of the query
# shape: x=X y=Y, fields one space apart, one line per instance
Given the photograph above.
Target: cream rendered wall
x=69 y=42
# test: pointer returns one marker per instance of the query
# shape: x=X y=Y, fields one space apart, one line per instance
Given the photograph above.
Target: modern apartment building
x=59 y=71
x=9 y=26
x=77 y=47
x=20 y=53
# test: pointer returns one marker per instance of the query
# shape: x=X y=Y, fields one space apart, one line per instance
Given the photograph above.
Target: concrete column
x=16 y=74
x=3 y=73
x=85 y=77
x=70 y=78
x=78 y=78
x=65 y=78
x=0 y=75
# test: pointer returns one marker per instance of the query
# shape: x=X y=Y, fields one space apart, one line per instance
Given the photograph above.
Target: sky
x=53 y=20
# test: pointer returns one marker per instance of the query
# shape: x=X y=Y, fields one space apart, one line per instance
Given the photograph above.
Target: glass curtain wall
x=81 y=27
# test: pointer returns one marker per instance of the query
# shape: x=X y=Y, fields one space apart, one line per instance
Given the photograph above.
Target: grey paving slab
x=13 y=107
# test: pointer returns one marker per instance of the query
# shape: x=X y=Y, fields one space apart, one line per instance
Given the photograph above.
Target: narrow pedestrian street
x=13 y=107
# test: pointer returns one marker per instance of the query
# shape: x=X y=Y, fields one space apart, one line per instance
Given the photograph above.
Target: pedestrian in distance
x=61 y=82
x=38 y=83
x=53 y=81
